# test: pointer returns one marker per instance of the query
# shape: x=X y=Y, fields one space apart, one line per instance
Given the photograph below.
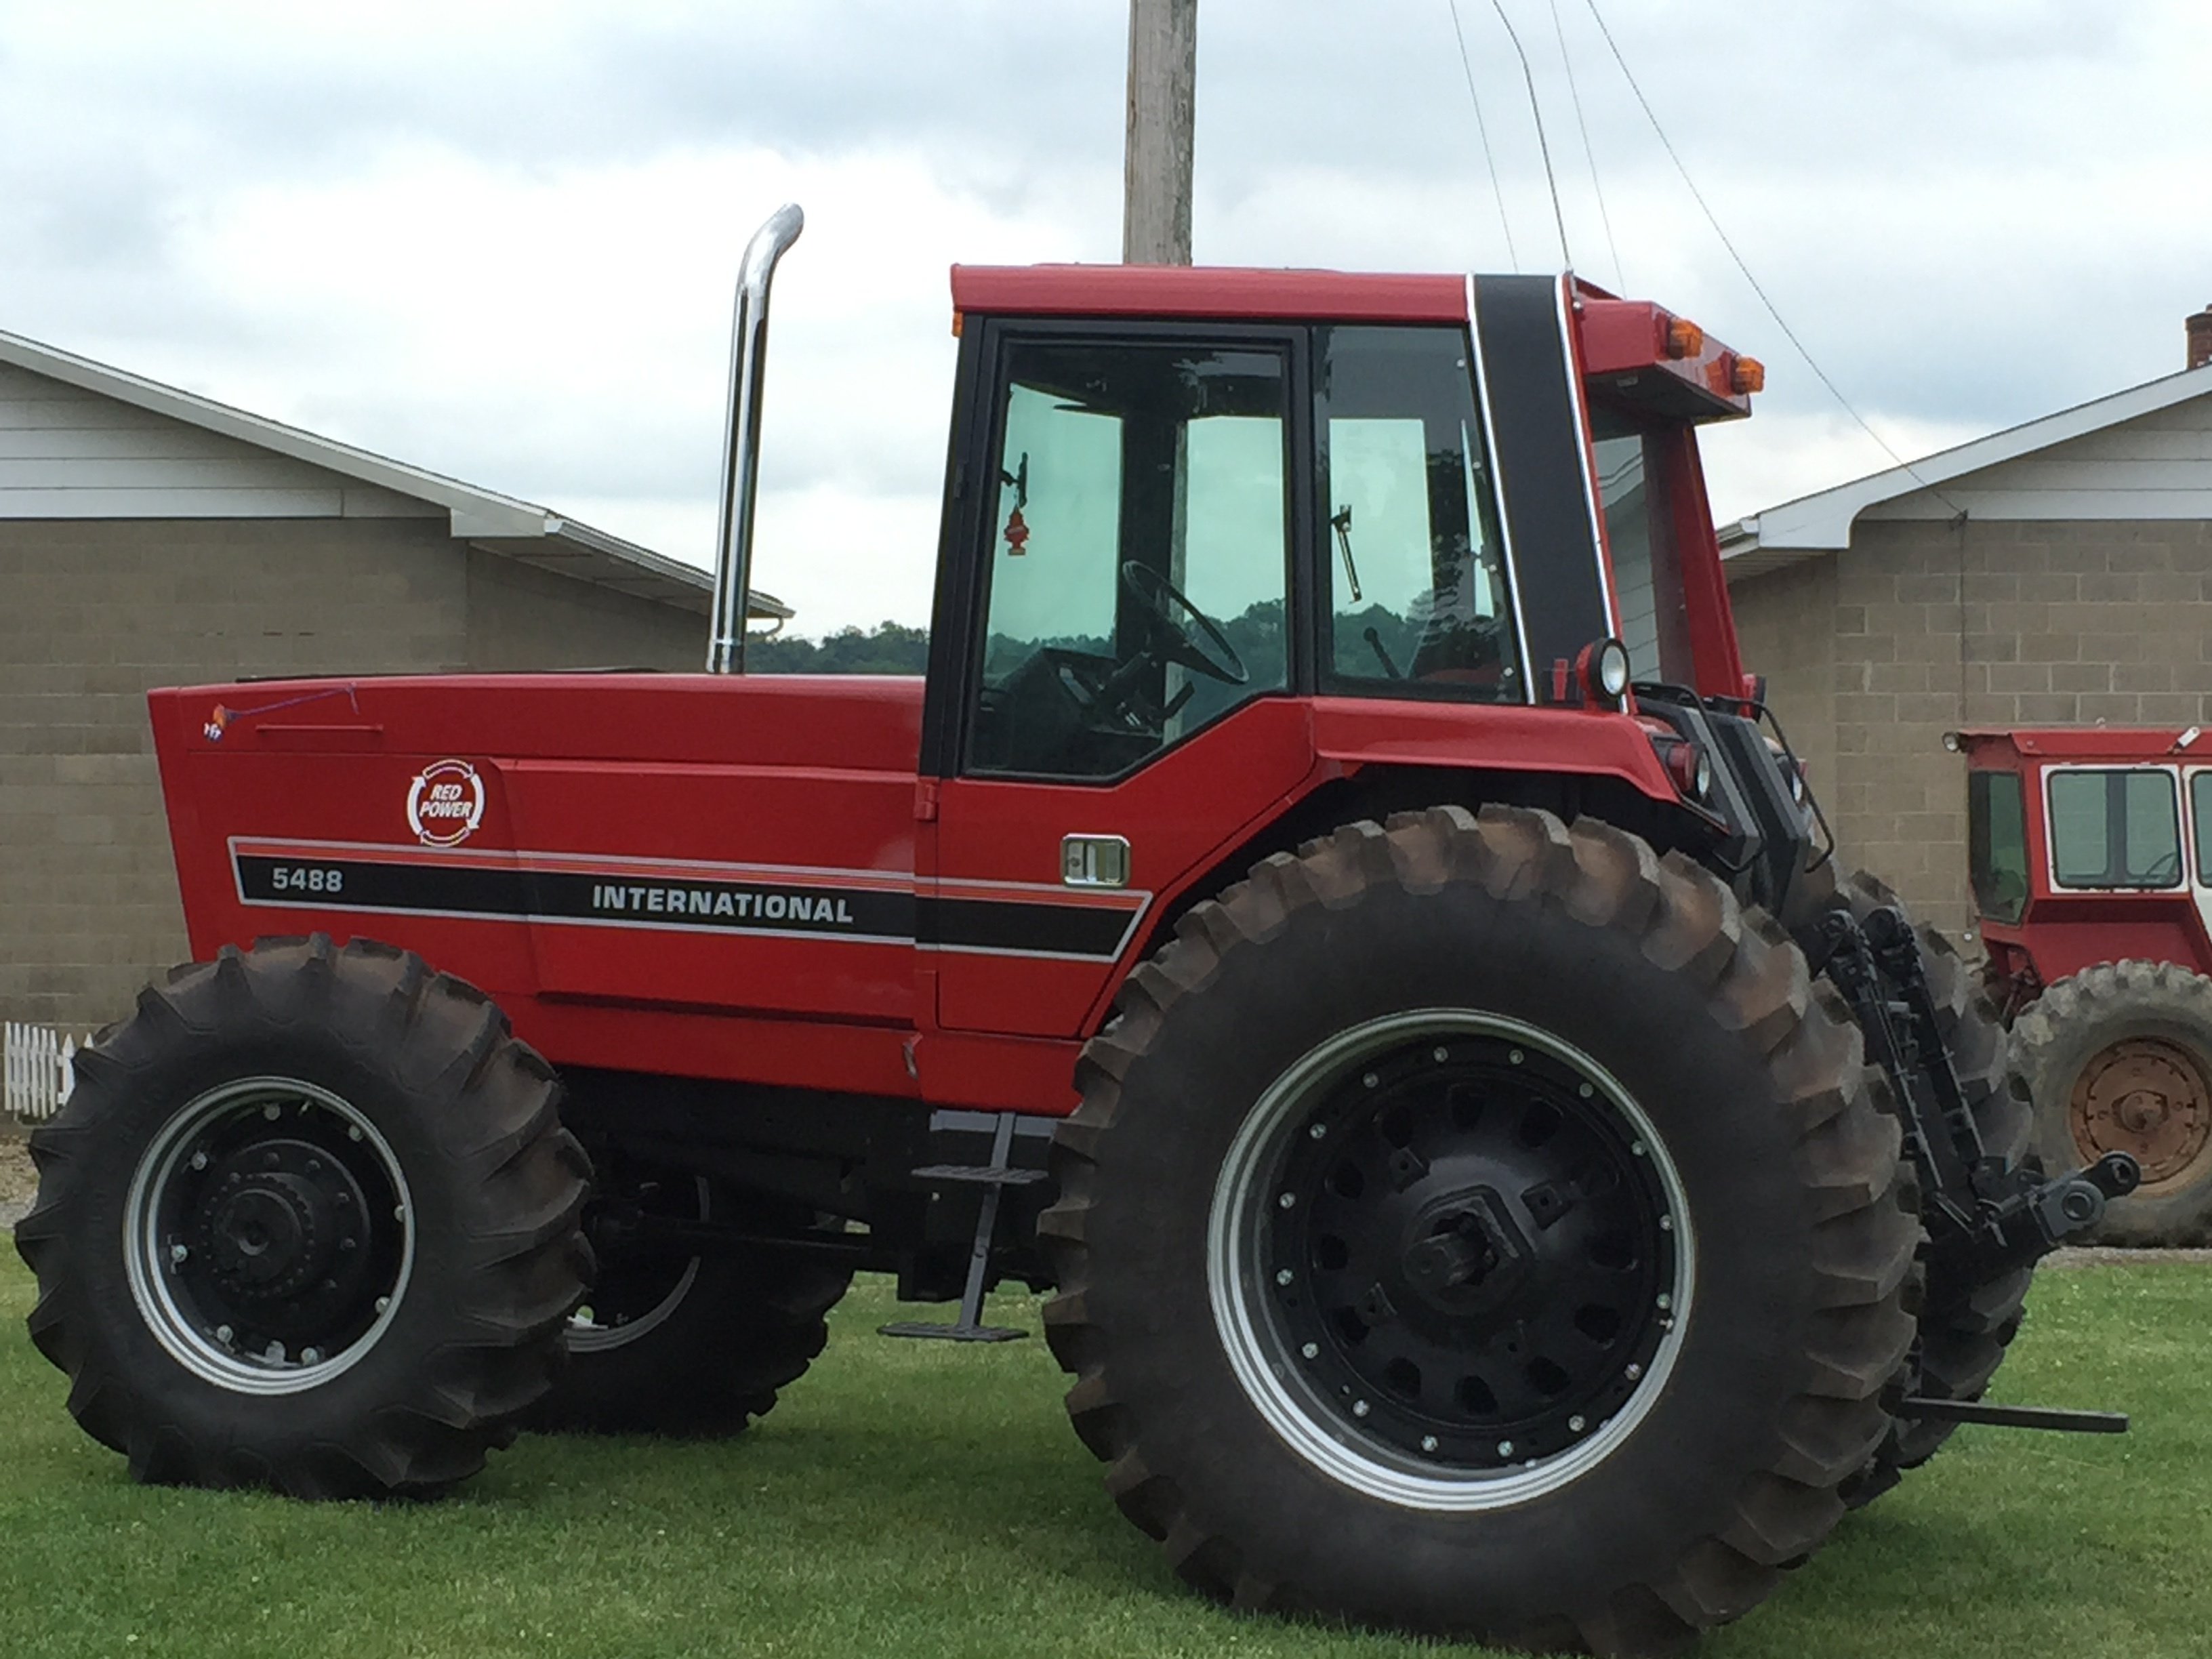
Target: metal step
x=994 y=1178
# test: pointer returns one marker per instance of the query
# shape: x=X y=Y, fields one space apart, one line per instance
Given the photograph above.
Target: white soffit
x=500 y=524
x=1811 y=525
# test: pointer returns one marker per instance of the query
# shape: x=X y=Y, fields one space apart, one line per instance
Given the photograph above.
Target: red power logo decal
x=444 y=804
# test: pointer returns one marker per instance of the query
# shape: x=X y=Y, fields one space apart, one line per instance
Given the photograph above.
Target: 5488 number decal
x=307 y=878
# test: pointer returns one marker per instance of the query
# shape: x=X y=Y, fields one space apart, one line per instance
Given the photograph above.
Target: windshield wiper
x=1342 y=525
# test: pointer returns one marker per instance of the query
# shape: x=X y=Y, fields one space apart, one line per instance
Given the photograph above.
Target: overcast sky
x=498 y=240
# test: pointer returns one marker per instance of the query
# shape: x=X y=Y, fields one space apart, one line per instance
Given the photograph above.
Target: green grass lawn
x=919 y=1499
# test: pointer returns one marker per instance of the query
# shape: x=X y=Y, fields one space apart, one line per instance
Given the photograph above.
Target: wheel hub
x=270 y=1235
x=1465 y=1256
x=2147 y=1097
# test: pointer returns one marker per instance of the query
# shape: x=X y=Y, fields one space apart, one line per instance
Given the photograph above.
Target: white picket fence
x=39 y=1065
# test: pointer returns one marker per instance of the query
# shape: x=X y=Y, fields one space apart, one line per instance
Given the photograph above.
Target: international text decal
x=445 y=803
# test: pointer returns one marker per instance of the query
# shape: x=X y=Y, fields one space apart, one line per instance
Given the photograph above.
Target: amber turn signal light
x=1750 y=376
x=1683 y=338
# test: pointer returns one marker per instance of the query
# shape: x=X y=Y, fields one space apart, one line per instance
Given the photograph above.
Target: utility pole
x=1156 y=158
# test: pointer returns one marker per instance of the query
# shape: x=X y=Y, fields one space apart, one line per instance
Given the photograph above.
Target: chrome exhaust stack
x=733 y=537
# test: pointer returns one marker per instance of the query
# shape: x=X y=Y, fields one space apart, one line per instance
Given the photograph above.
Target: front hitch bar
x=1984 y=1218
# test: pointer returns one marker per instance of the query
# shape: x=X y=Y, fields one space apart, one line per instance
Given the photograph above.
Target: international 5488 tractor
x=1335 y=909
x=2091 y=854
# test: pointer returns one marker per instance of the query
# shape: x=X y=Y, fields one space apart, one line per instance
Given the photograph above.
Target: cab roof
x=2123 y=743
x=1619 y=339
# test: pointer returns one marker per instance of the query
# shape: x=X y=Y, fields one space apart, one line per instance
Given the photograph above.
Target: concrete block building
x=2055 y=574
x=148 y=537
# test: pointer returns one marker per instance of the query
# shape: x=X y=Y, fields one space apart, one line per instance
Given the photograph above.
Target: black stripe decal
x=805 y=908
x=1066 y=930
x=1525 y=370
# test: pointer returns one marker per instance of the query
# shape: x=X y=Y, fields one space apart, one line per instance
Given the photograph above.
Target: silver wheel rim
x=587 y=1335
x=193 y=1337
x=1270 y=1373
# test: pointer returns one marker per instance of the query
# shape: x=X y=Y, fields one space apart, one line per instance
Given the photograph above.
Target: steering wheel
x=1183 y=643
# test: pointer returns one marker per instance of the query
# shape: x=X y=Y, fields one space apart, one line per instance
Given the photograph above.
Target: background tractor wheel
x=690 y=1346
x=2118 y=1058
x=1964 y=1328
x=1482 y=1228
x=308 y=1222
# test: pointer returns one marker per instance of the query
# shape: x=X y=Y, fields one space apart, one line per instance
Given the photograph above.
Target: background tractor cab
x=2090 y=852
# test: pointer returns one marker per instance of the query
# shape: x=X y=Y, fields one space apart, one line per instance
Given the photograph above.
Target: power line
x=1779 y=322
x=1566 y=60
x=1543 y=145
x=1488 y=154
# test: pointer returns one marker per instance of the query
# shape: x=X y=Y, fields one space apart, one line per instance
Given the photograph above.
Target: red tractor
x=1335 y=909
x=2091 y=856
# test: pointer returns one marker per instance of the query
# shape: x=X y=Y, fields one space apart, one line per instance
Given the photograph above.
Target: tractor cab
x=2088 y=845
x=2090 y=852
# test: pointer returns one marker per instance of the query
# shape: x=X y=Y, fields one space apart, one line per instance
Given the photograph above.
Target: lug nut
x=199 y=1160
x=222 y=1333
x=382 y=1302
x=1587 y=1090
x=1665 y=1301
x=1359 y=1408
x=1288 y=1200
x=178 y=1253
x=1428 y=1443
x=270 y=1113
x=1666 y=1223
x=1516 y=1056
x=1282 y=1275
x=274 y=1353
x=353 y=1131
x=1633 y=1372
x=310 y=1356
x=1310 y=1350
x=1636 y=1149
x=1575 y=1424
x=1319 y=1132
x=399 y=1212
x=1506 y=1448
x=1371 y=1080
x=1440 y=1055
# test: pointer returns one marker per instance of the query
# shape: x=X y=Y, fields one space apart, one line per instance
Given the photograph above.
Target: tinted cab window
x=1137 y=556
x=1417 y=599
x=2114 y=827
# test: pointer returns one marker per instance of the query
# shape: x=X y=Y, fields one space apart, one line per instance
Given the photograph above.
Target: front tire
x=1585 y=1425
x=308 y=1222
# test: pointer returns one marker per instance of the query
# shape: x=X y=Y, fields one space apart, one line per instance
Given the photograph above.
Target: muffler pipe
x=733 y=535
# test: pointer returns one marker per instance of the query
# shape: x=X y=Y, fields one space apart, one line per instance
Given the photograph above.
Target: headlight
x=1602 y=668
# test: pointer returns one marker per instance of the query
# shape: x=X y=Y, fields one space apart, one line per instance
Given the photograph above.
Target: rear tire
x=308 y=1222
x=2118 y=1057
x=1472 y=969
x=692 y=1347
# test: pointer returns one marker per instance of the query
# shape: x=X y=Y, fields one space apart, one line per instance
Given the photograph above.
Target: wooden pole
x=1156 y=159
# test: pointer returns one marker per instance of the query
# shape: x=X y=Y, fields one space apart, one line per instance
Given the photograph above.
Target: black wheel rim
x=270 y=1235
x=1449 y=1250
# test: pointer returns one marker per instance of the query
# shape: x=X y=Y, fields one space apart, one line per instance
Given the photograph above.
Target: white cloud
x=497 y=239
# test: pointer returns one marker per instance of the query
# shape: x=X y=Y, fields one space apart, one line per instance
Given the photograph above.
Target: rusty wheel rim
x=2149 y=1097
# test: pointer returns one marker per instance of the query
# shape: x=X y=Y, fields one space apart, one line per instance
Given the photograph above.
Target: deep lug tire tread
x=480 y=1106
x=1755 y=982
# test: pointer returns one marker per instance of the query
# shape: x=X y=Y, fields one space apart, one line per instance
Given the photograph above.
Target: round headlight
x=1703 y=779
x=1611 y=668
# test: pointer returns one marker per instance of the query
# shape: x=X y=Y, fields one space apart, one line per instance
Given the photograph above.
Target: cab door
x=1114 y=644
